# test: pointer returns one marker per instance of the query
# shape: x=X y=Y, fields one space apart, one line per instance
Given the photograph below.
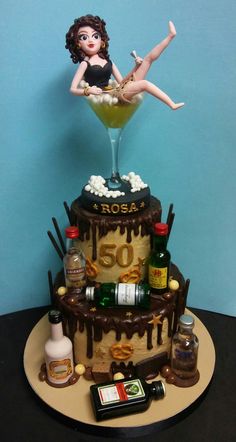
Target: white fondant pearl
x=118 y=376
x=173 y=284
x=80 y=369
x=62 y=291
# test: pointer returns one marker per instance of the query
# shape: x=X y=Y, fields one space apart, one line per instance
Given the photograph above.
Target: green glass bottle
x=120 y=295
x=159 y=260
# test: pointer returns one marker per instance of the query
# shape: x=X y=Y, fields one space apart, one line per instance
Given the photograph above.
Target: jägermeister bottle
x=117 y=398
x=159 y=260
x=121 y=295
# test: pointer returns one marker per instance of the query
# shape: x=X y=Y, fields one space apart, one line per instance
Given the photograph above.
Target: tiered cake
x=116 y=238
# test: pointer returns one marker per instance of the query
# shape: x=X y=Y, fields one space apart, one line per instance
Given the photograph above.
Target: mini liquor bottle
x=58 y=352
x=184 y=351
x=74 y=262
x=120 y=295
x=159 y=260
x=125 y=396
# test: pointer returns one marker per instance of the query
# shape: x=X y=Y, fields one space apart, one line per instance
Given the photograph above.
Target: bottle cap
x=89 y=293
x=186 y=320
x=161 y=229
x=158 y=389
x=72 y=232
x=54 y=316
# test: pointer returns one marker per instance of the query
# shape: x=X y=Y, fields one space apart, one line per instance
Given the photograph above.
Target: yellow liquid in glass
x=114 y=115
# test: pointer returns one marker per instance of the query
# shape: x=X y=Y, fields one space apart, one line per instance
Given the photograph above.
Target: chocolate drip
x=89 y=339
x=149 y=336
x=159 y=333
x=94 y=241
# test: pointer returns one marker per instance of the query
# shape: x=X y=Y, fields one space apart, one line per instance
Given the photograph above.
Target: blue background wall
x=51 y=142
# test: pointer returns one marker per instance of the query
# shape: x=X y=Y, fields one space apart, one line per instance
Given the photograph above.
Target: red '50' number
x=109 y=255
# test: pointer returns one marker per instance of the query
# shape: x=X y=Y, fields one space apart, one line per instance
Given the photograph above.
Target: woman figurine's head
x=74 y=38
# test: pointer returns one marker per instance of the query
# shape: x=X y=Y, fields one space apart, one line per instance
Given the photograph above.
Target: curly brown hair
x=98 y=25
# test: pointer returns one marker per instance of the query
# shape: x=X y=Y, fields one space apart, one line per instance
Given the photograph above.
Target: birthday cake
x=116 y=217
x=117 y=247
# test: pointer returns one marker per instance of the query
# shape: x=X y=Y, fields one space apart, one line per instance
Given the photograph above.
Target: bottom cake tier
x=127 y=339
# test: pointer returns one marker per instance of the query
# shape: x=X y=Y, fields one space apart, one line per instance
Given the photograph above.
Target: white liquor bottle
x=58 y=352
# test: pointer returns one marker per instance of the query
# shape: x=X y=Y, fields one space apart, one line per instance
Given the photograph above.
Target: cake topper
x=87 y=40
x=114 y=101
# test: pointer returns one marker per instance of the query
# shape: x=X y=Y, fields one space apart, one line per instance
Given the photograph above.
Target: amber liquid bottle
x=74 y=262
x=119 y=295
x=126 y=396
x=159 y=260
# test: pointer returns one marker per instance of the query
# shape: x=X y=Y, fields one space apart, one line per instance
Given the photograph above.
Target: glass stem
x=115 y=138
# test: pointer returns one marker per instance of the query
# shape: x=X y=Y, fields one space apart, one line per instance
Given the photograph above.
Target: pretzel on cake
x=121 y=351
x=132 y=276
x=91 y=269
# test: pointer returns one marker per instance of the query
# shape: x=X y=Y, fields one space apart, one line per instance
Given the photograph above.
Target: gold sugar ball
x=62 y=291
x=173 y=284
x=117 y=376
x=80 y=369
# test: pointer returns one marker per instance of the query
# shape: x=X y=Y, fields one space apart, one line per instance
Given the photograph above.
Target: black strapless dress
x=96 y=75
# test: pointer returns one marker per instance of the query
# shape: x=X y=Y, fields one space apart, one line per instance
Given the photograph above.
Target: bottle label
x=75 y=278
x=60 y=370
x=122 y=391
x=158 y=277
x=125 y=294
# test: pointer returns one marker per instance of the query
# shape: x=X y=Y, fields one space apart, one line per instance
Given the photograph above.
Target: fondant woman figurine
x=87 y=41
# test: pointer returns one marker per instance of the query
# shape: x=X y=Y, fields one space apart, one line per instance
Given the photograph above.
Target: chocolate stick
x=185 y=293
x=67 y=209
x=169 y=213
x=59 y=235
x=50 y=282
x=170 y=219
x=55 y=245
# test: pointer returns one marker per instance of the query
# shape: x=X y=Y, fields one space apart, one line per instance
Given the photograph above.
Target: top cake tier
x=116 y=243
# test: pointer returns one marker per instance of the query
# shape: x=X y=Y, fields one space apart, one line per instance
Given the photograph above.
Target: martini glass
x=115 y=116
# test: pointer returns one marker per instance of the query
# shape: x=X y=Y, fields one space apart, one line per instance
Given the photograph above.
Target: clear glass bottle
x=126 y=396
x=184 y=351
x=58 y=352
x=74 y=262
x=159 y=260
x=120 y=295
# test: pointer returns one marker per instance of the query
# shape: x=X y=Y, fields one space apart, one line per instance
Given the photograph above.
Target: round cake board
x=74 y=401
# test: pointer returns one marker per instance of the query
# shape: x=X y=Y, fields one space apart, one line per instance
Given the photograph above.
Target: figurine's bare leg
x=142 y=70
x=135 y=87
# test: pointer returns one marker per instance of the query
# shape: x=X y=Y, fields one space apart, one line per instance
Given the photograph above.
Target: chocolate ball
x=171 y=379
x=71 y=300
x=168 y=296
x=42 y=376
x=166 y=371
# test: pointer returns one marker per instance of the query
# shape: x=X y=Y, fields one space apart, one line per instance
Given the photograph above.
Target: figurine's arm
x=116 y=73
x=79 y=91
x=138 y=62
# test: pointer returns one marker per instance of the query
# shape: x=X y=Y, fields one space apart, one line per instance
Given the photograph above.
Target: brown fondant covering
x=123 y=205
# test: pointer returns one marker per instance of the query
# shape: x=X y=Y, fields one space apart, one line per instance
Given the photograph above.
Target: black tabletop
x=24 y=417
